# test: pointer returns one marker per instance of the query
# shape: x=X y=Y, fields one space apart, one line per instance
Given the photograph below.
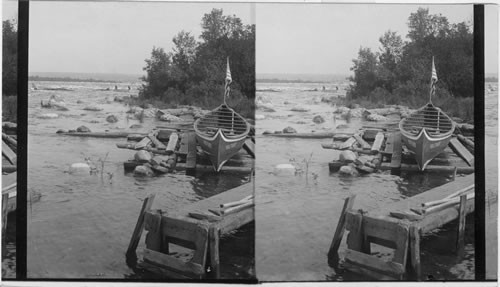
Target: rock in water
x=284 y=169
x=169 y=118
x=135 y=126
x=79 y=168
x=266 y=107
x=83 y=129
x=299 y=109
x=142 y=156
x=318 y=119
x=289 y=130
x=142 y=170
x=93 y=108
x=260 y=117
x=347 y=156
x=61 y=131
x=376 y=118
x=348 y=170
x=111 y=119
x=48 y=116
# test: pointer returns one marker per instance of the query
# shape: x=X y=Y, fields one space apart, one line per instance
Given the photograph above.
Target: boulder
x=169 y=118
x=142 y=170
x=284 y=169
x=61 y=131
x=48 y=116
x=376 y=118
x=83 y=129
x=142 y=156
x=289 y=130
x=267 y=132
x=112 y=119
x=348 y=170
x=318 y=119
x=135 y=126
x=158 y=159
x=94 y=108
x=347 y=156
x=260 y=117
x=79 y=168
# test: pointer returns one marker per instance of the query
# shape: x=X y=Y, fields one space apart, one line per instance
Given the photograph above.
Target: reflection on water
x=296 y=219
x=81 y=226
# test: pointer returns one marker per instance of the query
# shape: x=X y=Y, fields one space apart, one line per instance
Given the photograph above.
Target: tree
x=9 y=58
x=365 y=73
x=157 y=74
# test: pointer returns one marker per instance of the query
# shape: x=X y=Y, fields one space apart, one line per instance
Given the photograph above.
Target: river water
x=296 y=215
x=81 y=225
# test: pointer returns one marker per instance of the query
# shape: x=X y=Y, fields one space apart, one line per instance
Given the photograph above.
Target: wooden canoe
x=426 y=133
x=221 y=133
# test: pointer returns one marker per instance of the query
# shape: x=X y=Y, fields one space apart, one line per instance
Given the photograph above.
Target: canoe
x=426 y=133
x=221 y=133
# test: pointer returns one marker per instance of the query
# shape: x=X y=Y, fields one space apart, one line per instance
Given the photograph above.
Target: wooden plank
x=188 y=268
x=377 y=144
x=461 y=151
x=362 y=142
x=390 y=268
x=333 y=256
x=397 y=150
x=236 y=220
x=347 y=144
x=9 y=179
x=389 y=144
x=9 y=168
x=191 y=151
x=213 y=239
x=9 y=153
x=461 y=224
x=354 y=223
x=183 y=146
x=165 y=273
x=143 y=143
x=158 y=144
x=249 y=147
x=382 y=228
x=430 y=168
x=415 y=252
x=440 y=218
x=136 y=235
x=9 y=140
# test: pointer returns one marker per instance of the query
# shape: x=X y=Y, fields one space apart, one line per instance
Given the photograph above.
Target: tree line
x=400 y=72
x=194 y=71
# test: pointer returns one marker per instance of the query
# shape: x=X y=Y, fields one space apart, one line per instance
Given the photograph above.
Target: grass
x=9 y=108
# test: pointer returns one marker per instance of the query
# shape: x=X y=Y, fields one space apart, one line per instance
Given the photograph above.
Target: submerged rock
x=266 y=107
x=83 y=129
x=284 y=169
x=48 y=116
x=318 y=119
x=79 y=168
x=260 y=117
x=289 y=130
x=347 y=156
x=135 y=126
x=143 y=170
x=94 y=108
x=300 y=109
x=348 y=170
x=61 y=131
x=112 y=119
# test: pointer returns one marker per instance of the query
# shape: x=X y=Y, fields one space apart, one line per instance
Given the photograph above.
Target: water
x=296 y=215
x=81 y=226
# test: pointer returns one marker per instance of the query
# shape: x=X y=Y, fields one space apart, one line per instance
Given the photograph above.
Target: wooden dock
x=184 y=243
x=399 y=226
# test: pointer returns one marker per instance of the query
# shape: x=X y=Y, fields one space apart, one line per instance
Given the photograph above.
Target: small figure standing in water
x=324 y=88
x=129 y=88
x=116 y=87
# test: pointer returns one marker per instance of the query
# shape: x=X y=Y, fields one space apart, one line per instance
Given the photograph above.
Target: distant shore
x=67 y=79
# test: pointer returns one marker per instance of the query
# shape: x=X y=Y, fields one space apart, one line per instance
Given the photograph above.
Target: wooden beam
x=347 y=144
x=136 y=235
x=158 y=144
x=389 y=144
x=145 y=142
x=191 y=151
x=461 y=225
x=430 y=168
x=10 y=140
x=9 y=153
x=9 y=168
x=172 y=142
x=362 y=142
x=379 y=140
x=183 y=146
x=319 y=135
x=188 y=268
x=333 y=256
x=461 y=151
x=373 y=263
x=213 y=239
x=415 y=252
x=249 y=147
x=397 y=150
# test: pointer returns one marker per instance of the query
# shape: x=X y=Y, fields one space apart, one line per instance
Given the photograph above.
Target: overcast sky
x=116 y=37
x=324 y=38
x=111 y=37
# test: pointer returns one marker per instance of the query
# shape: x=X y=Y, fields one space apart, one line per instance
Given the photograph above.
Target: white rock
x=300 y=109
x=48 y=116
x=284 y=169
x=94 y=108
x=143 y=155
x=260 y=117
x=376 y=118
x=79 y=168
x=169 y=118
x=347 y=156
x=348 y=170
x=266 y=107
x=143 y=171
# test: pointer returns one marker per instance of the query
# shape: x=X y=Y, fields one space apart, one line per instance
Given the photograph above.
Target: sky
x=112 y=37
x=324 y=38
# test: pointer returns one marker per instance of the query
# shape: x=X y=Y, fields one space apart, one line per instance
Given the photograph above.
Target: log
x=172 y=142
x=333 y=256
x=237 y=208
x=98 y=134
x=238 y=202
x=135 y=137
x=362 y=142
x=377 y=144
x=209 y=168
x=467 y=142
x=457 y=193
x=9 y=153
x=461 y=151
x=461 y=224
x=191 y=151
x=336 y=146
x=136 y=235
x=213 y=247
x=347 y=144
x=397 y=150
x=415 y=252
x=450 y=203
x=10 y=140
x=158 y=144
x=319 y=135
x=9 y=168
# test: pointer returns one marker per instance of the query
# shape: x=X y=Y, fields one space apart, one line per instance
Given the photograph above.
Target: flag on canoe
x=434 y=79
x=228 y=80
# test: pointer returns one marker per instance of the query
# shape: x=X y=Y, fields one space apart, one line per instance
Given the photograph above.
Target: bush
x=9 y=108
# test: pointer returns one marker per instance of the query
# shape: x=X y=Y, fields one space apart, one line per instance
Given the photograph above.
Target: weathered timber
x=342 y=136
x=319 y=135
x=362 y=142
x=158 y=144
x=213 y=248
x=9 y=153
x=237 y=208
x=451 y=202
x=172 y=143
x=209 y=168
x=9 y=180
x=136 y=235
x=9 y=140
x=98 y=134
x=392 y=269
x=377 y=144
x=145 y=142
x=430 y=168
x=187 y=126
x=191 y=151
x=447 y=198
x=190 y=269
x=183 y=145
x=205 y=216
x=333 y=256
x=335 y=165
x=9 y=168
x=135 y=137
x=347 y=144
x=397 y=150
x=337 y=147
x=461 y=151
x=249 y=147
x=414 y=247
x=461 y=224
x=389 y=144
x=411 y=216
x=466 y=142
x=236 y=203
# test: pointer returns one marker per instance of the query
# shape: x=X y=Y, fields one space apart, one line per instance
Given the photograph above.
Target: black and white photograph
x=365 y=143
x=140 y=141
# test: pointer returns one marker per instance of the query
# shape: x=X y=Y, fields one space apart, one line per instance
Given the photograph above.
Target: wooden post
x=415 y=252
x=333 y=256
x=136 y=236
x=461 y=225
x=213 y=246
x=5 y=210
x=172 y=143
